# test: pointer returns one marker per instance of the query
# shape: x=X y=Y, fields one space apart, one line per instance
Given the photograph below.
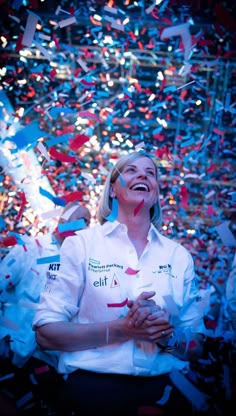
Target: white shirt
x=92 y=280
x=21 y=281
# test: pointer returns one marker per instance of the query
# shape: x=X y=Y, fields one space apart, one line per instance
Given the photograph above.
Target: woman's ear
x=112 y=192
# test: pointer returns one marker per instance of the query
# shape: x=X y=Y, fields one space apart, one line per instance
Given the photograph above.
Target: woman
x=107 y=308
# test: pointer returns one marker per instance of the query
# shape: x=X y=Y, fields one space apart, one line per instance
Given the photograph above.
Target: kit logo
x=54 y=266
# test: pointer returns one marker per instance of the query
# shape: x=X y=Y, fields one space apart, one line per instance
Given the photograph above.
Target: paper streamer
x=28 y=135
x=166 y=395
x=138 y=207
x=196 y=397
x=67 y=214
x=43 y=151
x=171 y=305
x=74 y=196
x=61 y=156
x=43 y=50
x=30 y=28
x=72 y=225
x=23 y=203
x=89 y=177
x=9 y=241
x=118 y=305
x=50 y=259
x=52 y=213
x=56 y=200
x=131 y=271
x=122 y=181
x=78 y=141
x=82 y=64
x=67 y=22
x=89 y=115
x=25 y=399
x=114 y=211
x=225 y=234
x=179 y=30
x=2 y=223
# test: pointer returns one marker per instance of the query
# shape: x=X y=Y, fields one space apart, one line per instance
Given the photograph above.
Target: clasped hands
x=147 y=320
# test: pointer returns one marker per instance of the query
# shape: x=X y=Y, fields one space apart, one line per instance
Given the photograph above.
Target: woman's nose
x=142 y=174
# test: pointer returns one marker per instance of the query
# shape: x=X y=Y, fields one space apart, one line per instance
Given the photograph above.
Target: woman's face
x=137 y=182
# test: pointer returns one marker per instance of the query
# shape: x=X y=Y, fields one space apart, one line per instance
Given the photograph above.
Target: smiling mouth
x=140 y=187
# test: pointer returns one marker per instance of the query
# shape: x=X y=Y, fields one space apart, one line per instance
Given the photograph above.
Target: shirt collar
x=109 y=227
x=153 y=233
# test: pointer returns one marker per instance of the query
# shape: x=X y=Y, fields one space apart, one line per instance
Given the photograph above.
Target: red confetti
x=73 y=196
x=53 y=73
x=138 y=207
x=23 y=203
x=41 y=370
x=78 y=141
x=54 y=154
x=118 y=305
x=84 y=82
x=163 y=84
x=184 y=196
x=131 y=271
x=19 y=45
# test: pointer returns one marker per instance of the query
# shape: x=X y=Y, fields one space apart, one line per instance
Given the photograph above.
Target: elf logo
x=102 y=281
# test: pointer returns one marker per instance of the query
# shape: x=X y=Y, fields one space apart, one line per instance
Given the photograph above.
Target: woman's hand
x=152 y=322
x=155 y=330
x=142 y=308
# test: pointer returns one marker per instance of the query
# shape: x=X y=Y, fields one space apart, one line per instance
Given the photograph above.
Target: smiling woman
x=125 y=170
x=106 y=311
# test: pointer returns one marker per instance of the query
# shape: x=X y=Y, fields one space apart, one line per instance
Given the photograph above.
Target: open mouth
x=140 y=187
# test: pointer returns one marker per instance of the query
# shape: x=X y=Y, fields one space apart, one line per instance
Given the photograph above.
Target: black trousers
x=87 y=393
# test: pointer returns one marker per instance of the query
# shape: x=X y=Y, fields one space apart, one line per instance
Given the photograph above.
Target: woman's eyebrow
x=135 y=166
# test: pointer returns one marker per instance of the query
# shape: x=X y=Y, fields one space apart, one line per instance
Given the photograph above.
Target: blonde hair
x=105 y=203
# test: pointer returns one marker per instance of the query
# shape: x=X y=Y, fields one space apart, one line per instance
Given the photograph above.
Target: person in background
x=28 y=374
x=122 y=308
x=22 y=278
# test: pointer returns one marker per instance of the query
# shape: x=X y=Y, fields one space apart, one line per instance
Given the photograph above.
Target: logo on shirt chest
x=54 y=266
x=165 y=269
x=103 y=281
x=97 y=267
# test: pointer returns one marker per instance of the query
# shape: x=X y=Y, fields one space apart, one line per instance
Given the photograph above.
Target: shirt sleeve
x=191 y=313
x=60 y=298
